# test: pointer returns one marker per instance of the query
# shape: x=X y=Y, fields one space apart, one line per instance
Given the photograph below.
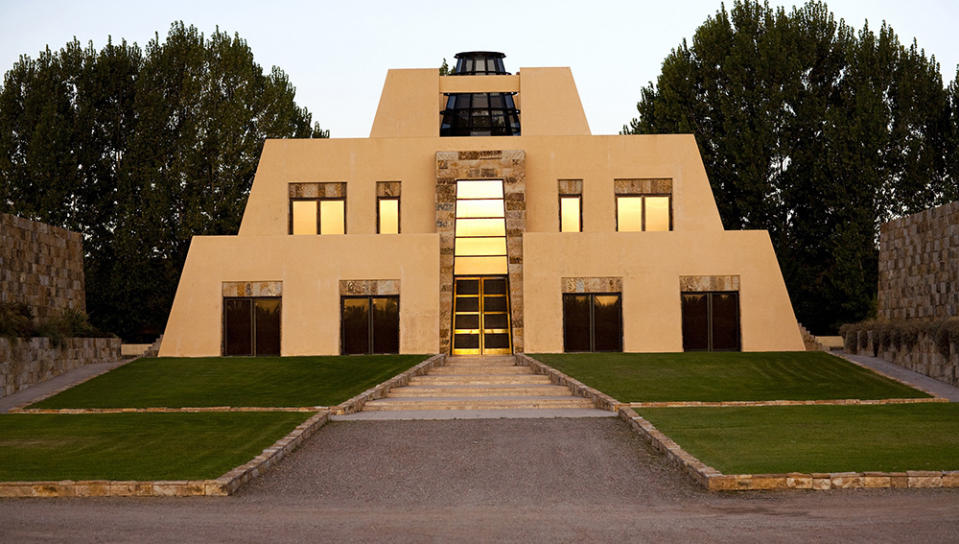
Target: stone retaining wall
x=924 y=357
x=41 y=266
x=919 y=265
x=29 y=361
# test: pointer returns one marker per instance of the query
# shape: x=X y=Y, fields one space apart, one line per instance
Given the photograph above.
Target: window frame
x=592 y=321
x=370 y=341
x=252 y=301
x=379 y=224
x=643 y=196
x=579 y=198
x=319 y=219
x=709 y=321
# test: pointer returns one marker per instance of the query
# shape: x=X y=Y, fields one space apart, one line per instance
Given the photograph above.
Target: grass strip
x=754 y=376
x=779 y=439
x=233 y=381
x=135 y=446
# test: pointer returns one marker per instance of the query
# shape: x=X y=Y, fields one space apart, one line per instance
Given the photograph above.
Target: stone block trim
x=253 y=288
x=41 y=266
x=593 y=285
x=761 y=403
x=919 y=265
x=708 y=283
x=29 y=361
x=570 y=187
x=369 y=287
x=508 y=165
x=224 y=485
x=643 y=186
x=330 y=189
x=387 y=189
x=380 y=391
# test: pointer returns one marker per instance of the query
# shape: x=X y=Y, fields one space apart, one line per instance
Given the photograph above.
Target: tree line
x=139 y=150
x=815 y=132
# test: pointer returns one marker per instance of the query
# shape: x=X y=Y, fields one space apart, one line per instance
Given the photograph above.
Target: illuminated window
x=318 y=216
x=480 y=244
x=636 y=213
x=304 y=216
x=570 y=213
x=388 y=215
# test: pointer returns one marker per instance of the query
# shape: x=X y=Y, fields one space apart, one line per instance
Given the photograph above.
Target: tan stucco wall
x=597 y=160
x=310 y=268
x=650 y=264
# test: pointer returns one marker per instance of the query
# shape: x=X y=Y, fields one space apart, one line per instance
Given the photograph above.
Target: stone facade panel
x=252 y=288
x=708 y=283
x=369 y=287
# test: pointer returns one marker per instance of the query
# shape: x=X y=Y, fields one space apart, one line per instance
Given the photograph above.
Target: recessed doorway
x=481 y=322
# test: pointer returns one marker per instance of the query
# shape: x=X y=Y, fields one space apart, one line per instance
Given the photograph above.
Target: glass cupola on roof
x=480 y=114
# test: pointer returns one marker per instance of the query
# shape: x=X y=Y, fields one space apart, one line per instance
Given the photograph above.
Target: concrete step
x=503 y=379
x=482 y=361
x=477 y=403
x=506 y=390
x=473 y=370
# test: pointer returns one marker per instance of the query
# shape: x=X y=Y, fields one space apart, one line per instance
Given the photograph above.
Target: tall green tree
x=139 y=150
x=813 y=131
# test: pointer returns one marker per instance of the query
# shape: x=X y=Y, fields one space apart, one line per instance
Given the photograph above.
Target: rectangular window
x=635 y=213
x=570 y=213
x=592 y=322
x=370 y=324
x=711 y=321
x=251 y=325
x=318 y=216
x=388 y=215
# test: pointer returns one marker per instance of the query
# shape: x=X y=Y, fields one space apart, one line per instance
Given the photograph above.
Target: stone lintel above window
x=643 y=186
x=369 y=287
x=331 y=189
x=570 y=187
x=699 y=284
x=387 y=189
x=252 y=288
x=607 y=284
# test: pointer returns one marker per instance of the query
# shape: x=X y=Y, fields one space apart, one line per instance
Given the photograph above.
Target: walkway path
x=67 y=379
x=937 y=387
x=522 y=480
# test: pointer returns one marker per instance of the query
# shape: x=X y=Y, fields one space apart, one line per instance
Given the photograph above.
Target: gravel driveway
x=516 y=480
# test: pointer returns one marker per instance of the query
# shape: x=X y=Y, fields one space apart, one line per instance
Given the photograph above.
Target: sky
x=337 y=52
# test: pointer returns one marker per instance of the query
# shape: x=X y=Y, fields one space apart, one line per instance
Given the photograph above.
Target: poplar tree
x=140 y=150
x=813 y=131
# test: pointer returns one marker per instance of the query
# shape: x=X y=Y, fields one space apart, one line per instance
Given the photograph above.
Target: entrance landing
x=479 y=388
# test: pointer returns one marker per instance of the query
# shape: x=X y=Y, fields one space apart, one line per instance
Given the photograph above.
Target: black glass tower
x=480 y=114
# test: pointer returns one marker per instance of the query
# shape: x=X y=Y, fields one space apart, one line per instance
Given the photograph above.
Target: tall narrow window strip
x=332 y=217
x=388 y=216
x=569 y=214
x=304 y=216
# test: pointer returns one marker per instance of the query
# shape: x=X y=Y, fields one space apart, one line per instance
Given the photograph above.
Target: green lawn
x=184 y=446
x=778 y=439
x=652 y=377
x=233 y=381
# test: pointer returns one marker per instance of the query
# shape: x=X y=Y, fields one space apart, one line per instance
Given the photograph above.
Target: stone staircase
x=479 y=383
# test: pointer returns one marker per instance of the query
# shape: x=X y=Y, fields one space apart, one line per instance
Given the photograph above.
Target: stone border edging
x=43 y=397
x=601 y=400
x=226 y=484
x=164 y=410
x=356 y=403
x=842 y=356
x=714 y=480
x=760 y=403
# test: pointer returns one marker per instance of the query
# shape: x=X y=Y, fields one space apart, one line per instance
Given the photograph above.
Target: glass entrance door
x=481 y=324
